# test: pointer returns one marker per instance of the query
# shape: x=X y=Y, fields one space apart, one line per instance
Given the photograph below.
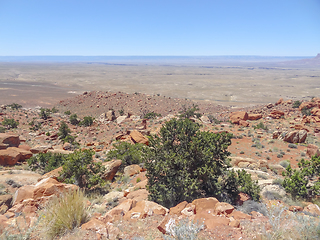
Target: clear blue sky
x=159 y=27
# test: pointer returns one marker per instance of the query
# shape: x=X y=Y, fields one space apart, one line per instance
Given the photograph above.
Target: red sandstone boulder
x=138 y=137
x=313 y=209
x=144 y=209
x=132 y=170
x=296 y=136
x=176 y=210
x=9 y=157
x=111 y=169
x=252 y=116
x=204 y=203
x=235 y=117
x=280 y=101
x=11 y=140
x=222 y=208
x=313 y=150
x=276 y=114
x=307 y=105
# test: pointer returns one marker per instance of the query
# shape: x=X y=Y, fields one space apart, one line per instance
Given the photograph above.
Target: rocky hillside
x=266 y=139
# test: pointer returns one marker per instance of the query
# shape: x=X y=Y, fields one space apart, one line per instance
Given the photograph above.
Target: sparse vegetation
x=15 y=106
x=87 y=121
x=10 y=123
x=188 y=112
x=152 y=115
x=44 y=113
x=74 y=119
x=296 y=104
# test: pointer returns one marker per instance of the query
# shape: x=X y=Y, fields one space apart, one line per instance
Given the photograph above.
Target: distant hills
x=307 y=62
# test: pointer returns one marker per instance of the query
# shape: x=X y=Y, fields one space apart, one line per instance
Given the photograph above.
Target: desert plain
x=229 y=82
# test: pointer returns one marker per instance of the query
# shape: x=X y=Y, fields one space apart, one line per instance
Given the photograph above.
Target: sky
x=159 y=27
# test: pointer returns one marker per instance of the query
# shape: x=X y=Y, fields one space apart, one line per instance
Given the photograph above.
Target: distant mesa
x=306 y=62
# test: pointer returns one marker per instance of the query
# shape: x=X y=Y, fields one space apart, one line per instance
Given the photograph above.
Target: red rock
x=178 y=208
x=138 y=195
x=295 y=209
x=211 y=221
x=280 y=101
x=97 y=226
x=145 y=208
x=52 y=174
x=9 y=157
x=276 y=114
x=222 y=208
x=242 y=197
x=307 y=105
x=243 y=123
x=313 y=150
x=111 y=169
x=131 y=170
x=24 y=154
x=22 y=193
x=296 y=136
x=313 y=209
x=235 y=117
x=204 y=203
x=234 y=223
x=12 y=140
x=239 y=215
x=138 y=137
x=252 y=116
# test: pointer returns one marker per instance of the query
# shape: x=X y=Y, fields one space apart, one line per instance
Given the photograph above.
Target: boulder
x=110 y=116
x=40 y=149
x=55 y=173
x=295 y=209
x=11 y=140
x=210 y=220
x=111 y=169
x=98 y=226
x=9 y=157
x=296 y=136
x=313 y=150
x=205 y=119
x=5 y=203
x=307 y=105
x=276 y=114
x=138 y=137
x=235 y=117
x=313 y=209
x=315 y=112
x=280 y=101
x=24 y=154
x=138 y=195
x=222 y=208
x=144 y=209
x=176 y=210
x=132 y=170
x=204 y=204
x=252 y=116
x=120 y=119
x=242 y=197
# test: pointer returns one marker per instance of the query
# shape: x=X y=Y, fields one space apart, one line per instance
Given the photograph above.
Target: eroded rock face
x=237 y=116
x=11 y=140
x=313 y=150
x=9 y=157
x=252 y=116
x=296 y=136
x=276 y=114
x=145 y=208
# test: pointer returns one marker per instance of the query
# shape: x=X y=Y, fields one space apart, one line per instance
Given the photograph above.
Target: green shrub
x=74 y=119
x=44 y=113
x=121 y=112
x=10 y=123
x=64 y=130
x=284 y=163
x=152 y=115
x=184 y=163
x=15 y=106
x=260 y=125
x=127 y=152
x=188 y=112
x=46 y=162
x=67 y=112
x=80 y=169
x=2 y=130
x=292 y=145
x=305 y=111
x=296 y=104
x=213 y=119
x=54 y=110
x=65 y=213
x=87 y=121
x=297 y=181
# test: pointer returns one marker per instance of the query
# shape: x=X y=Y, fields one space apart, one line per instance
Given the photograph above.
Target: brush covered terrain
x=265 y=140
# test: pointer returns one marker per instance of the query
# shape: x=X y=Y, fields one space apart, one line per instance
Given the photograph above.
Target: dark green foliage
x=184 y=164
x=152 y=115
x=292 y=145
x=80 y=169
x=46 y=162
x=34 y=126
x=44 y=113
x=74 y=119
x=64 y=130
x=67 y=112
x=260 y=125
x=10 y=123
x=127 y=152
x=87 y=121
x=121 y=112
x=15 y=106
x=213 y=119
x=305 y=111
x=189 y=112
x=297 y=181
x=54 y=110
x=296 y=104
x=2 y=129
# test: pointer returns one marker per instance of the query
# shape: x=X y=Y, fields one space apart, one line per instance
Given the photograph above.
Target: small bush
x=292 y=145
x=74 y=119
x=65 y=213
x=188 y=112
x=10 y=123
x=260 y=125
x=2 y=130
x=46 y=162
x=87 y=121
x=64 y=130
x=67 y=112
x=249 y=206
x=44 y=113
x=152 y=115
x=305 y=111
x=15 y=106
x=213 y=119
x=284 y=163
x=296 y=104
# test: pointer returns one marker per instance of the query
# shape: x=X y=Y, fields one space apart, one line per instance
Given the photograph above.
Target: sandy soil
x=32 y=84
